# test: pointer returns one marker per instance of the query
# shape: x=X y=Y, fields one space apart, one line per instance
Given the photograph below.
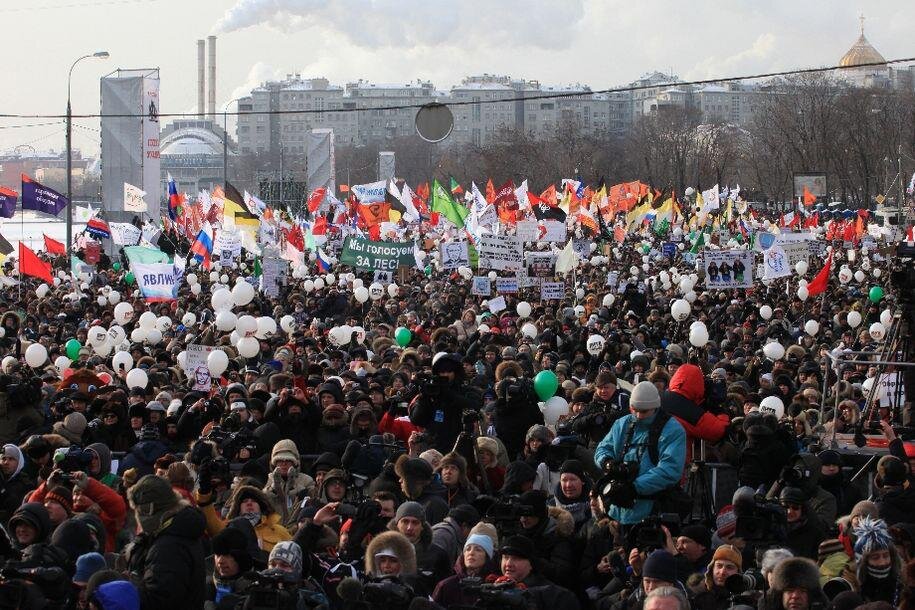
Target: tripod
x=699 y=488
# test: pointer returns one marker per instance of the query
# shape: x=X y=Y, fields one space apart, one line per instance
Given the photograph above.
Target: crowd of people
x=416 y=463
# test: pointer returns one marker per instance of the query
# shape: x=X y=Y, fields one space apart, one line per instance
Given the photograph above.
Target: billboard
x=130 y=142
x=814 y=181
x=319 y=160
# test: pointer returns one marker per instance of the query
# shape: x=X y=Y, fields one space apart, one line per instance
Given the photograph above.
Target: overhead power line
x=451 y=104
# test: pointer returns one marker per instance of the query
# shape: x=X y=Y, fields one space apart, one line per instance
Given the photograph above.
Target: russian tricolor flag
x=322 y=261
x=202 y=247
x=174 y=199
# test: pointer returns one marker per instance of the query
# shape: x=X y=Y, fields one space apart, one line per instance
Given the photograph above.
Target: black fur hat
x=797 y=572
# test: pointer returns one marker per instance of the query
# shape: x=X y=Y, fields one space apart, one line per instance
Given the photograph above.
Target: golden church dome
x=861 y=53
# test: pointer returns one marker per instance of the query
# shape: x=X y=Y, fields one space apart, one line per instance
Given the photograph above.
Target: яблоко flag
x=36 y=196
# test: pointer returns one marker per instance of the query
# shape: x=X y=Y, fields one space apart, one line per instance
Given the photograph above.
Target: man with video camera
x=442 y=400
x=643 y=456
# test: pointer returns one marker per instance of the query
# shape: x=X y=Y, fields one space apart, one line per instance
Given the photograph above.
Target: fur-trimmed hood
x=508 y=368
x=398 y=543
x=565 y=522
x=797 y=572
x=235 y=499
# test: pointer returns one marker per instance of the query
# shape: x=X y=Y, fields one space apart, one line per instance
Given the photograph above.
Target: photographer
x=520 y=564
x=432 y=562
x=631 y=442
x=607 y=406
x=698 y=404
x=726 y=562
x=803 y=471
x=442 y=401
x=475 y=561
x=251 y=503
x=285 y=484
x=572 y=493
x=552 y=531
x=14 y=483
x=805 y=531
x=516 y=406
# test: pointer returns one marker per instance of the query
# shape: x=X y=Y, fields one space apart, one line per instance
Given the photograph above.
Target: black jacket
x=168 y=566
x=514 y=417
x=896 y=505
x=440 y=415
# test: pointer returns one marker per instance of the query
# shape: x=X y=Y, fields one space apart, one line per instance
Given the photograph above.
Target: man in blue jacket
x=628 y=441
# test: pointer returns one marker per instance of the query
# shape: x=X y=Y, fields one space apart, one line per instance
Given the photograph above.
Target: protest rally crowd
x=505 y=413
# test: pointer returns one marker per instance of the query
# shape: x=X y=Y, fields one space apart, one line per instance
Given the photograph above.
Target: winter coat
x=448 y=536
x=896 y=505
x=684 y=400
x=555 y=552
x=449 y=592
x=112 y=509
x=167 y=566
x=269 y=529
x=15 y=417
x=432 y=562
x=433 y=500
x=804 y=537
x=580 y=509
x=285 y=493
x=143 y=457
x=402 y=548
x=333 y=439
x=652 y=478
x=400 y=427
x=105 y=475
x=441 y=415
x=14 y=489
x=514 y=417
x=760 y=460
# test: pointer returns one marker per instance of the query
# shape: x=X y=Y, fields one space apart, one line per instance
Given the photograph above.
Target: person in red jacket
x=89 y=495
x=686 y=400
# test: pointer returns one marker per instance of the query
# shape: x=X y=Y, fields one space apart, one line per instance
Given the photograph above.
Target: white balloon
x=360 y=334
x=319 y=284
x=101 y=300
x=680 y=309
x=248 y=347
x=189 y=319
x=845 y=275
x=357 y=283
x=266 y=327
x=114 y=297
x=116 y=335
x=868 y=384
x=595 y=344
x=853 y=318
x=800 y=267
x=137 y=378
x=153 y=336
x=214 y=276
x=182 y=359
x=811 y=327
x=524 y=309
x=287 y=323
x=217 y=362
x=886 y=317
x=163 y=324
x=192 y=278
x=876 y=272
x=698 y=336
x=222 y=300
x=96 y=336
x=226 y=320
x=308 y=285
x=123 y=313
x=393 y=290
x=242 y=293
x=686 y=284
x=529 y=330
x=553 y=409
x=802 y=293
x=147 y=320
x=774 y=350
x=330 y=279
x=609 y=299
x=61 y=363
x=138 y=334
x=690 y=296
x=579 y=310
x=772 y=405
x=36 y=355
x=493 y=275
x=122 y=358
x=196 y=289
x=246 y=325
x=42 y=290
x=483 y=328
x=361 y=293
x=579 y=293
x=376 y=291
x=859 y=276
x=765 y=312
x=224 y=278
x=877 y=331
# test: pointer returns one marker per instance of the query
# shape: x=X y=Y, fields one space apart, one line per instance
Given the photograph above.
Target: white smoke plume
x=545 y=24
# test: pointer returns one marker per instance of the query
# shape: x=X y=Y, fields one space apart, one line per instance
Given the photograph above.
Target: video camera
x=745 y=588
x=269 y=590
x=496 y=594
x=759 y=521
x=649 y=534
x=505 y=515
x=72 y=459
x=53 y=583
x=615 y=487
x=387 y=592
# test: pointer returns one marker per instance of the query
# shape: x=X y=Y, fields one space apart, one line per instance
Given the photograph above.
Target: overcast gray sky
x=600 y=43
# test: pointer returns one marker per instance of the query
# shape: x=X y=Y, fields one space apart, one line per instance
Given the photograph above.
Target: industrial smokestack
x=211 y=43
x=201 y=77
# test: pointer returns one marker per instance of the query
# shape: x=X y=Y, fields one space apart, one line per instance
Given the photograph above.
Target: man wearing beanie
x=694 y=548
x=552 y=531
x=658 y=570
x=519 y=563
x=285 y=484
x=450 y=534
x=572 y=493
x=632 y=439
x=166 y=560
x=287 y=561
x=432 y=562
x=726 y=561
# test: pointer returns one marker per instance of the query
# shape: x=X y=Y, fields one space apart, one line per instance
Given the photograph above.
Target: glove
x=204 y=478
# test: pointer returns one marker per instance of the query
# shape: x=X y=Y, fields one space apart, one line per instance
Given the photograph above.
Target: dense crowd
x=420 y=462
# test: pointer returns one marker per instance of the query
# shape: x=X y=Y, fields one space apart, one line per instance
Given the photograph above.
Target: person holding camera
x=519 y=564
x=640 y=468
x=441 y=402
x=516 y=406
x=552 y=531
x=805 y=530
x=285 y=484
x=608 y=404
x=715 y=595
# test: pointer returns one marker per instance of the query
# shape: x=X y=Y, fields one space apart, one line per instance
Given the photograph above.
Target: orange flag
x=809 y=198
x=490 y=192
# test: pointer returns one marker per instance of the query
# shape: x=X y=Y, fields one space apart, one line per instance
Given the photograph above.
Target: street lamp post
x=225 y=141
x=96 y=55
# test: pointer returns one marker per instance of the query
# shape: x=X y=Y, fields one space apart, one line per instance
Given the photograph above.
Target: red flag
x=549 y=196
x=52 y=246
x=809 y=198
x=320 y=226
x=821 y=280
x=314 y=201
x=423 y=191
x=849 y=233
x=490 y=192
x=506 y=203
x=295 y=238
x=30 y=264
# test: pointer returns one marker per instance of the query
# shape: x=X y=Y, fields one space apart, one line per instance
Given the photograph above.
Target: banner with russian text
x=36 y=196
x=157 y=282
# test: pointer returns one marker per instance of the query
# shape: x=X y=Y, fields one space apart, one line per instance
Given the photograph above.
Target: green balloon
x=875 y=294
x=545 y=384
x=129 y=279
x=403 y=336
x=116 y=266
x=73 y=346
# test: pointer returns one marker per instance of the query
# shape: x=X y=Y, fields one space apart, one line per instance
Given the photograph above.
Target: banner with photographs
x=728 y=268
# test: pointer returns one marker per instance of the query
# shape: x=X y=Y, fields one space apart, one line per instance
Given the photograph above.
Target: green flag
x=145 y=256
x=257 y=267
x=445 y=205
x=699 y=243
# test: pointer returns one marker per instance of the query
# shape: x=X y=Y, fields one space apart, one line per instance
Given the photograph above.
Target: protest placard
x=552 y=291
x=500 y=252
x=481 y=286
x=454 y=254
x=507 y=285
x=195 y=366
x=728 y=268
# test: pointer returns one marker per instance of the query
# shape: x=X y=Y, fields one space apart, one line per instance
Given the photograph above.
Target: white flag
x=711 y=198
x=567 y=259
x=133 y=198
x=124 y=233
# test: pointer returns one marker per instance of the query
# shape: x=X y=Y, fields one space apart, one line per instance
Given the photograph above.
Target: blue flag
x=8 y=199
x=36 y=196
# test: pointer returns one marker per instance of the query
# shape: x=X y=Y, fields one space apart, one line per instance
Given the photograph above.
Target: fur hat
x=864 y=507
x=891 y=471
x=248 y=492
x=414 y=469
x=508 y=368
x=484 y=443
x=796 y=572
x=153 y=500
x=394 y=543
x=232 y=541
x=454 y=459
x=540 y=432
